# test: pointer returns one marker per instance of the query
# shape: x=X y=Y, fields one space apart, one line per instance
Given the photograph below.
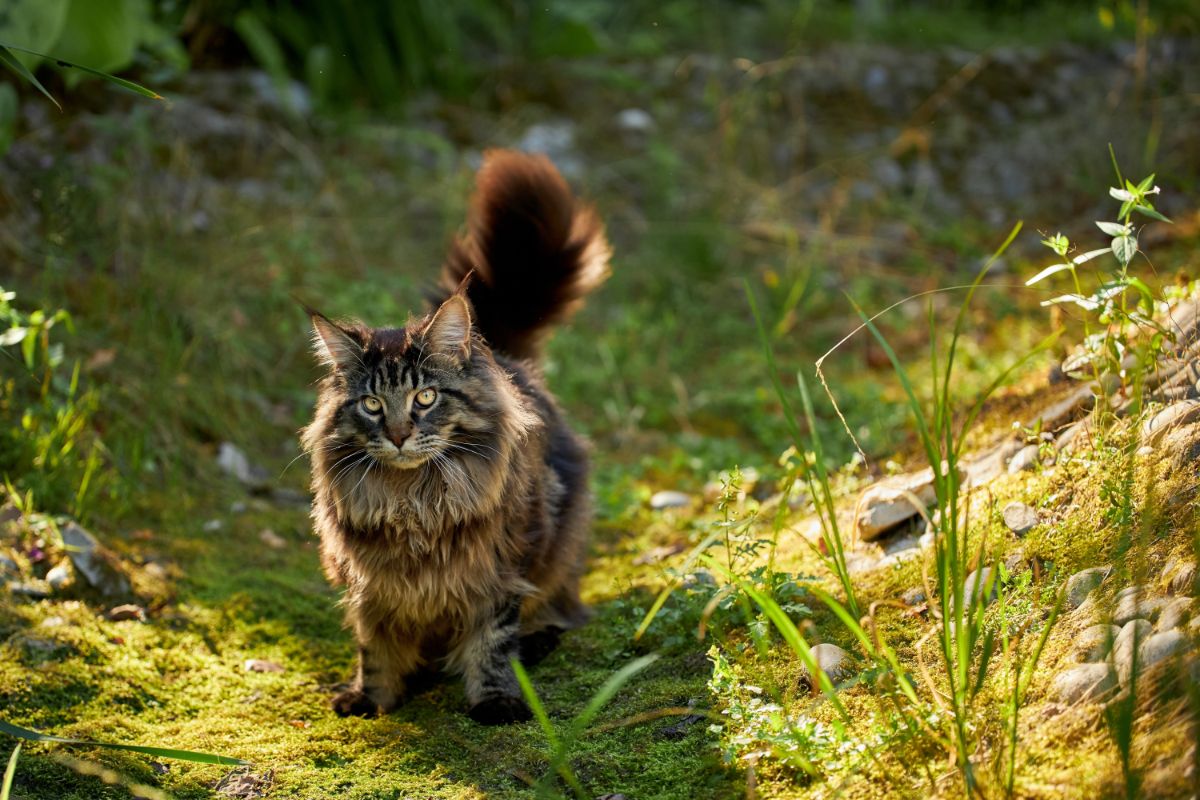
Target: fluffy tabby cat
x=450 y=495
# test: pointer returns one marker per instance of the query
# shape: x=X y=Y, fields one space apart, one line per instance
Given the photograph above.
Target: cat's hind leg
x=383 y=663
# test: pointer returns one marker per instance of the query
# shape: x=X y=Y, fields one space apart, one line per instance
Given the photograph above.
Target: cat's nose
x=398 y=434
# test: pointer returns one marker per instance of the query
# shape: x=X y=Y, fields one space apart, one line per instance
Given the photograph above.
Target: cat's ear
x=449 y=332
x=334 y=346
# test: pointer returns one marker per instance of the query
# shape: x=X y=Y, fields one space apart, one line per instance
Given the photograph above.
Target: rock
x=59 y=576
x=260 y=665
x=1132 y=603
x=834 y=662
x=635 y=120
x=1175 y=613
x=899 y=557
x=243 y=784
x=212 y=526
x=272 y=539
x=677 y=730
x=913 y=597
x=890 y=502
x=1183 y=443
x=656 y=554
x=8 y=566
x=1170 y=418
x=93 y=561
x=235 y=463
x=695 y=580
x=1132 y=635
x=33 y=591
x=1027 y=458
x=290 y=498
x=1084 y=682
x=1020 y=518
x=1160 y=647
x=1180 y=577
x=557 y=140
x=1094 y=643
x=980 y=585
x=1083 y=583
x=126 y=612
x=669 y=499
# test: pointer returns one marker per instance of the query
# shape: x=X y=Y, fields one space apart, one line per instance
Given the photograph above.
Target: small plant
x=1104 y=352
x=561 y=746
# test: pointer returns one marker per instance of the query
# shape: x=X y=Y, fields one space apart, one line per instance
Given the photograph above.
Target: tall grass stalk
x=10 y=773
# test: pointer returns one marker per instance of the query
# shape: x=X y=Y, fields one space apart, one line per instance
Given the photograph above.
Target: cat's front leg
x=485 y=658
x=383 y=662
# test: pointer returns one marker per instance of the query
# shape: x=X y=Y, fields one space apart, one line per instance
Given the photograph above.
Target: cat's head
x=429 y=392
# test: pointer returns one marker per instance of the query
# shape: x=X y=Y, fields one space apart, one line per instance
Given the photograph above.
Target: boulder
x=1084 y=682
x=1020 y=518
x=1083 y=583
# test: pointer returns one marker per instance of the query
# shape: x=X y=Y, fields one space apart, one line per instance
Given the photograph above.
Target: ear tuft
x=449 y=332
x=335 y=347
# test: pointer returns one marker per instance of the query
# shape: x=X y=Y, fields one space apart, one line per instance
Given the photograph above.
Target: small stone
x=93 y=561
x=126 y=612
x=913 y=597
x=212 y=525
x=695 y=580
x=1132 y=635
x=670 y=499
x=52 y=622
x=1084 y=682
x=59 y=576
x=1170 y=418
x=1083 y=583
x=1175 y=613
x=1183 y=443
x=1020 y=518
x=260 y=665
x=1094 y=643
x=899 y=557
x=1026 y=459
x=1160 y=647
x=833 y=661
x=272 y=539
x=891 y=501
x=234 y=462
x=1181 y=577
x=635 y=120
x=1136 y=605
x=980 y=585
x=31 y=590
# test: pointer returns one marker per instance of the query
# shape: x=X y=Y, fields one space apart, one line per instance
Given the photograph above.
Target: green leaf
x=10 y=773
x=1146 y=184
x=1048 y=271
x=1113 y=228
x=1150 y=212
x=9 y=60
x=1124 y=248
x=161 y=752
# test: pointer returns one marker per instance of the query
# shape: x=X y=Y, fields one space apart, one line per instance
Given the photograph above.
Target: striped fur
x=458 y=527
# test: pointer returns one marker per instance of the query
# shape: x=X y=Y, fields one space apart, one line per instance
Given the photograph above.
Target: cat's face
x=407 y=396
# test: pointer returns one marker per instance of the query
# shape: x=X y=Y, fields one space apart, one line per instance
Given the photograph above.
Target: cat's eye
x=372 y=405
x=425 y=398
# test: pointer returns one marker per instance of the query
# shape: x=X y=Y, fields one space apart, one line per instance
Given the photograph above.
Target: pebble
x=834 y=661
x=234 y=462
x=1180 y=577
x=261 y=665
x=1160 y=647
x=1026 y=459
x=1094 y=643
x=914 y=596
x=1132 y=603
x=1133 y=634
x=980 y=585
x=669 y=499
x=272 y=539
x=635 y=120
x=1020 y=518
x=59 y=576
x=1084 y=682
x=126 y=612
x=888 y=503
x=1175 y=613
x=1171 y=417
x=91 y=560
x=31 y=590
x=1083 y=583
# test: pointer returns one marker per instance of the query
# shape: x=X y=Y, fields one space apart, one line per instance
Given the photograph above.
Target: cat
x=450 y=496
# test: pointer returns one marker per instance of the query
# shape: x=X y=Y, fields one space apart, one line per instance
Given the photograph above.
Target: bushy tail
x=535 y=251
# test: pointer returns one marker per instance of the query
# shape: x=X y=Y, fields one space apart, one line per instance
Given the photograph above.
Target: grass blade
x=10 y=773
x=11 y=61
x=161 y=752
x=136 y=88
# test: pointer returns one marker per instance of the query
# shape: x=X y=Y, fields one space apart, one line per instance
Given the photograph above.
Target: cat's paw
x=354 y=703
x=500 y=711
